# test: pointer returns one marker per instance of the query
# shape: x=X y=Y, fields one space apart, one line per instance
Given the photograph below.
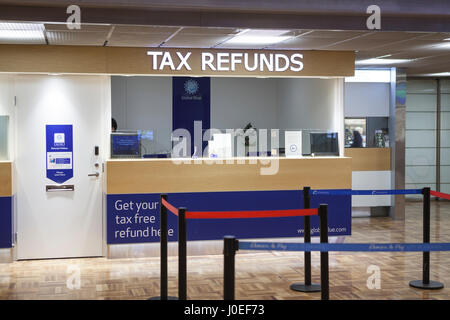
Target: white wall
x=306 y=103
x=238 y=101
x=367 y=99
x=371 y=180
x=311 y=104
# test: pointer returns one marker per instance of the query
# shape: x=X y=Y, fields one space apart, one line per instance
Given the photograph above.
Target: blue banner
x=341 y=247
x=191 y=101
x=59 y=147
x=6 y=225
x=125 y=222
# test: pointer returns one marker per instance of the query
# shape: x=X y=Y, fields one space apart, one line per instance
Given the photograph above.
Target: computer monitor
x=125 y=145
x=324 y=143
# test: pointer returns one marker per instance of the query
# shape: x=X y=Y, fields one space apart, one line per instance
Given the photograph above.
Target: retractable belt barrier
x=231 y=245
x=242 y=214
x=183 y=215
x=352 y=247
x=363 y=192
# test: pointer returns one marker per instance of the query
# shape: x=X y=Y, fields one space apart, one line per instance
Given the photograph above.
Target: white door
x=59 y=224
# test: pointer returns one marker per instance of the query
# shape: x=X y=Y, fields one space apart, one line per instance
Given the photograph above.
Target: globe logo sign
x=191 y=87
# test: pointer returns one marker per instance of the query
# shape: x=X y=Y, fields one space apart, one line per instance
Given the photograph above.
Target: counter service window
x=370 y=132
x=225 y=117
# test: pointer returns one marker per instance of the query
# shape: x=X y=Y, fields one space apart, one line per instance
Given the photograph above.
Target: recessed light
x=376 y=61
x=385 y=56
x=21 y=31
x=374 y=75
x=259 y=37
x=439 y=74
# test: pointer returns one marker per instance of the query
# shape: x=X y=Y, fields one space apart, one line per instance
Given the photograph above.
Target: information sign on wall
x=59 y=154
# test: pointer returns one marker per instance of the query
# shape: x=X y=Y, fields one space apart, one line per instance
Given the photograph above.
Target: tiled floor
x=259 y=275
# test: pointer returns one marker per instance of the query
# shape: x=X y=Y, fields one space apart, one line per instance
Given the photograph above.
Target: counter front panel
x=6 y=205
x=133 y=215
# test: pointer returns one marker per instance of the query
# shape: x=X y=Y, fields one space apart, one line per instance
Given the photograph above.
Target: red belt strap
x=242 y=214
x=440 y=194
x=169 y=206
x=250 y=214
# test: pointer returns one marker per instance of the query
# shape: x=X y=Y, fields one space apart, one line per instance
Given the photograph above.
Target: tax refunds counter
x=215 y=130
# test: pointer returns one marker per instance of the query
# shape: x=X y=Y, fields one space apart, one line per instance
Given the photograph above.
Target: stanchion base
x=159 y=298
x=301 y=287
x=432 y=285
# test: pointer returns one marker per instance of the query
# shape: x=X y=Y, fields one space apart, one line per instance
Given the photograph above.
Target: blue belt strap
x=363 y=192
x=355 y=247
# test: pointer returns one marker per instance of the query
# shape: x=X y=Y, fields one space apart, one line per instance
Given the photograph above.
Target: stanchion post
x=307 y=286
x=324 y=276
x=230 y=246
x=163 y=240
x=307 y=235
x=182 y=259
x=425 y=283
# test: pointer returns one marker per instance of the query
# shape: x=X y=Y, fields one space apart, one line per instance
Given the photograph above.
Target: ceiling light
x=370 y=76
x=439 y=74
x=447 y=39
x=21 y=31
x=261 y=37
x=376 y=61
x=444 y=45
x=385 y=56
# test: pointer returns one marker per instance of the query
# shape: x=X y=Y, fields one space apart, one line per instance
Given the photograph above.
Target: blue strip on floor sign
x=364 y=192
x=357 y=247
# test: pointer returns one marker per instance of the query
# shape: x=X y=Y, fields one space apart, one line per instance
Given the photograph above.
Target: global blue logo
x=191 y=87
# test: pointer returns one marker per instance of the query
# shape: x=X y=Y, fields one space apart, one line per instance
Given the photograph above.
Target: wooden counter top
x=370 y=159
x=202 y=175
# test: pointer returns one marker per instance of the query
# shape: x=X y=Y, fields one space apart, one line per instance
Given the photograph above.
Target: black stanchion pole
x=307 y=286
x=163 y=240
x=182 y=259
x=324 y=277
x=230 y=246
x=425 y=283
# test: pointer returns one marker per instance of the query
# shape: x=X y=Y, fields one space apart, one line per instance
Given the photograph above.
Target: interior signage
x=201 y=62
x=59 y=145
x=227 y=61
x=266 y=63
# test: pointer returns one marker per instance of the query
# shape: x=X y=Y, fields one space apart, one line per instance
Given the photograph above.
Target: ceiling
x=426 y=52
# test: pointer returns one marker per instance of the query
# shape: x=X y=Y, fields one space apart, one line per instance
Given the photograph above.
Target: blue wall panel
x=212 y=229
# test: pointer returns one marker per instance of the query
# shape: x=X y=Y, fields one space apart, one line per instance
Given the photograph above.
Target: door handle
x=50 y=188
x=94 y=174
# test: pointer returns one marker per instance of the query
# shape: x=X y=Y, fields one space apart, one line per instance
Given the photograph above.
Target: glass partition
x=226 y=143
x=137 y=144
x=152 y=112
x=355 y=132
x=370 y=132
x=445 y=136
